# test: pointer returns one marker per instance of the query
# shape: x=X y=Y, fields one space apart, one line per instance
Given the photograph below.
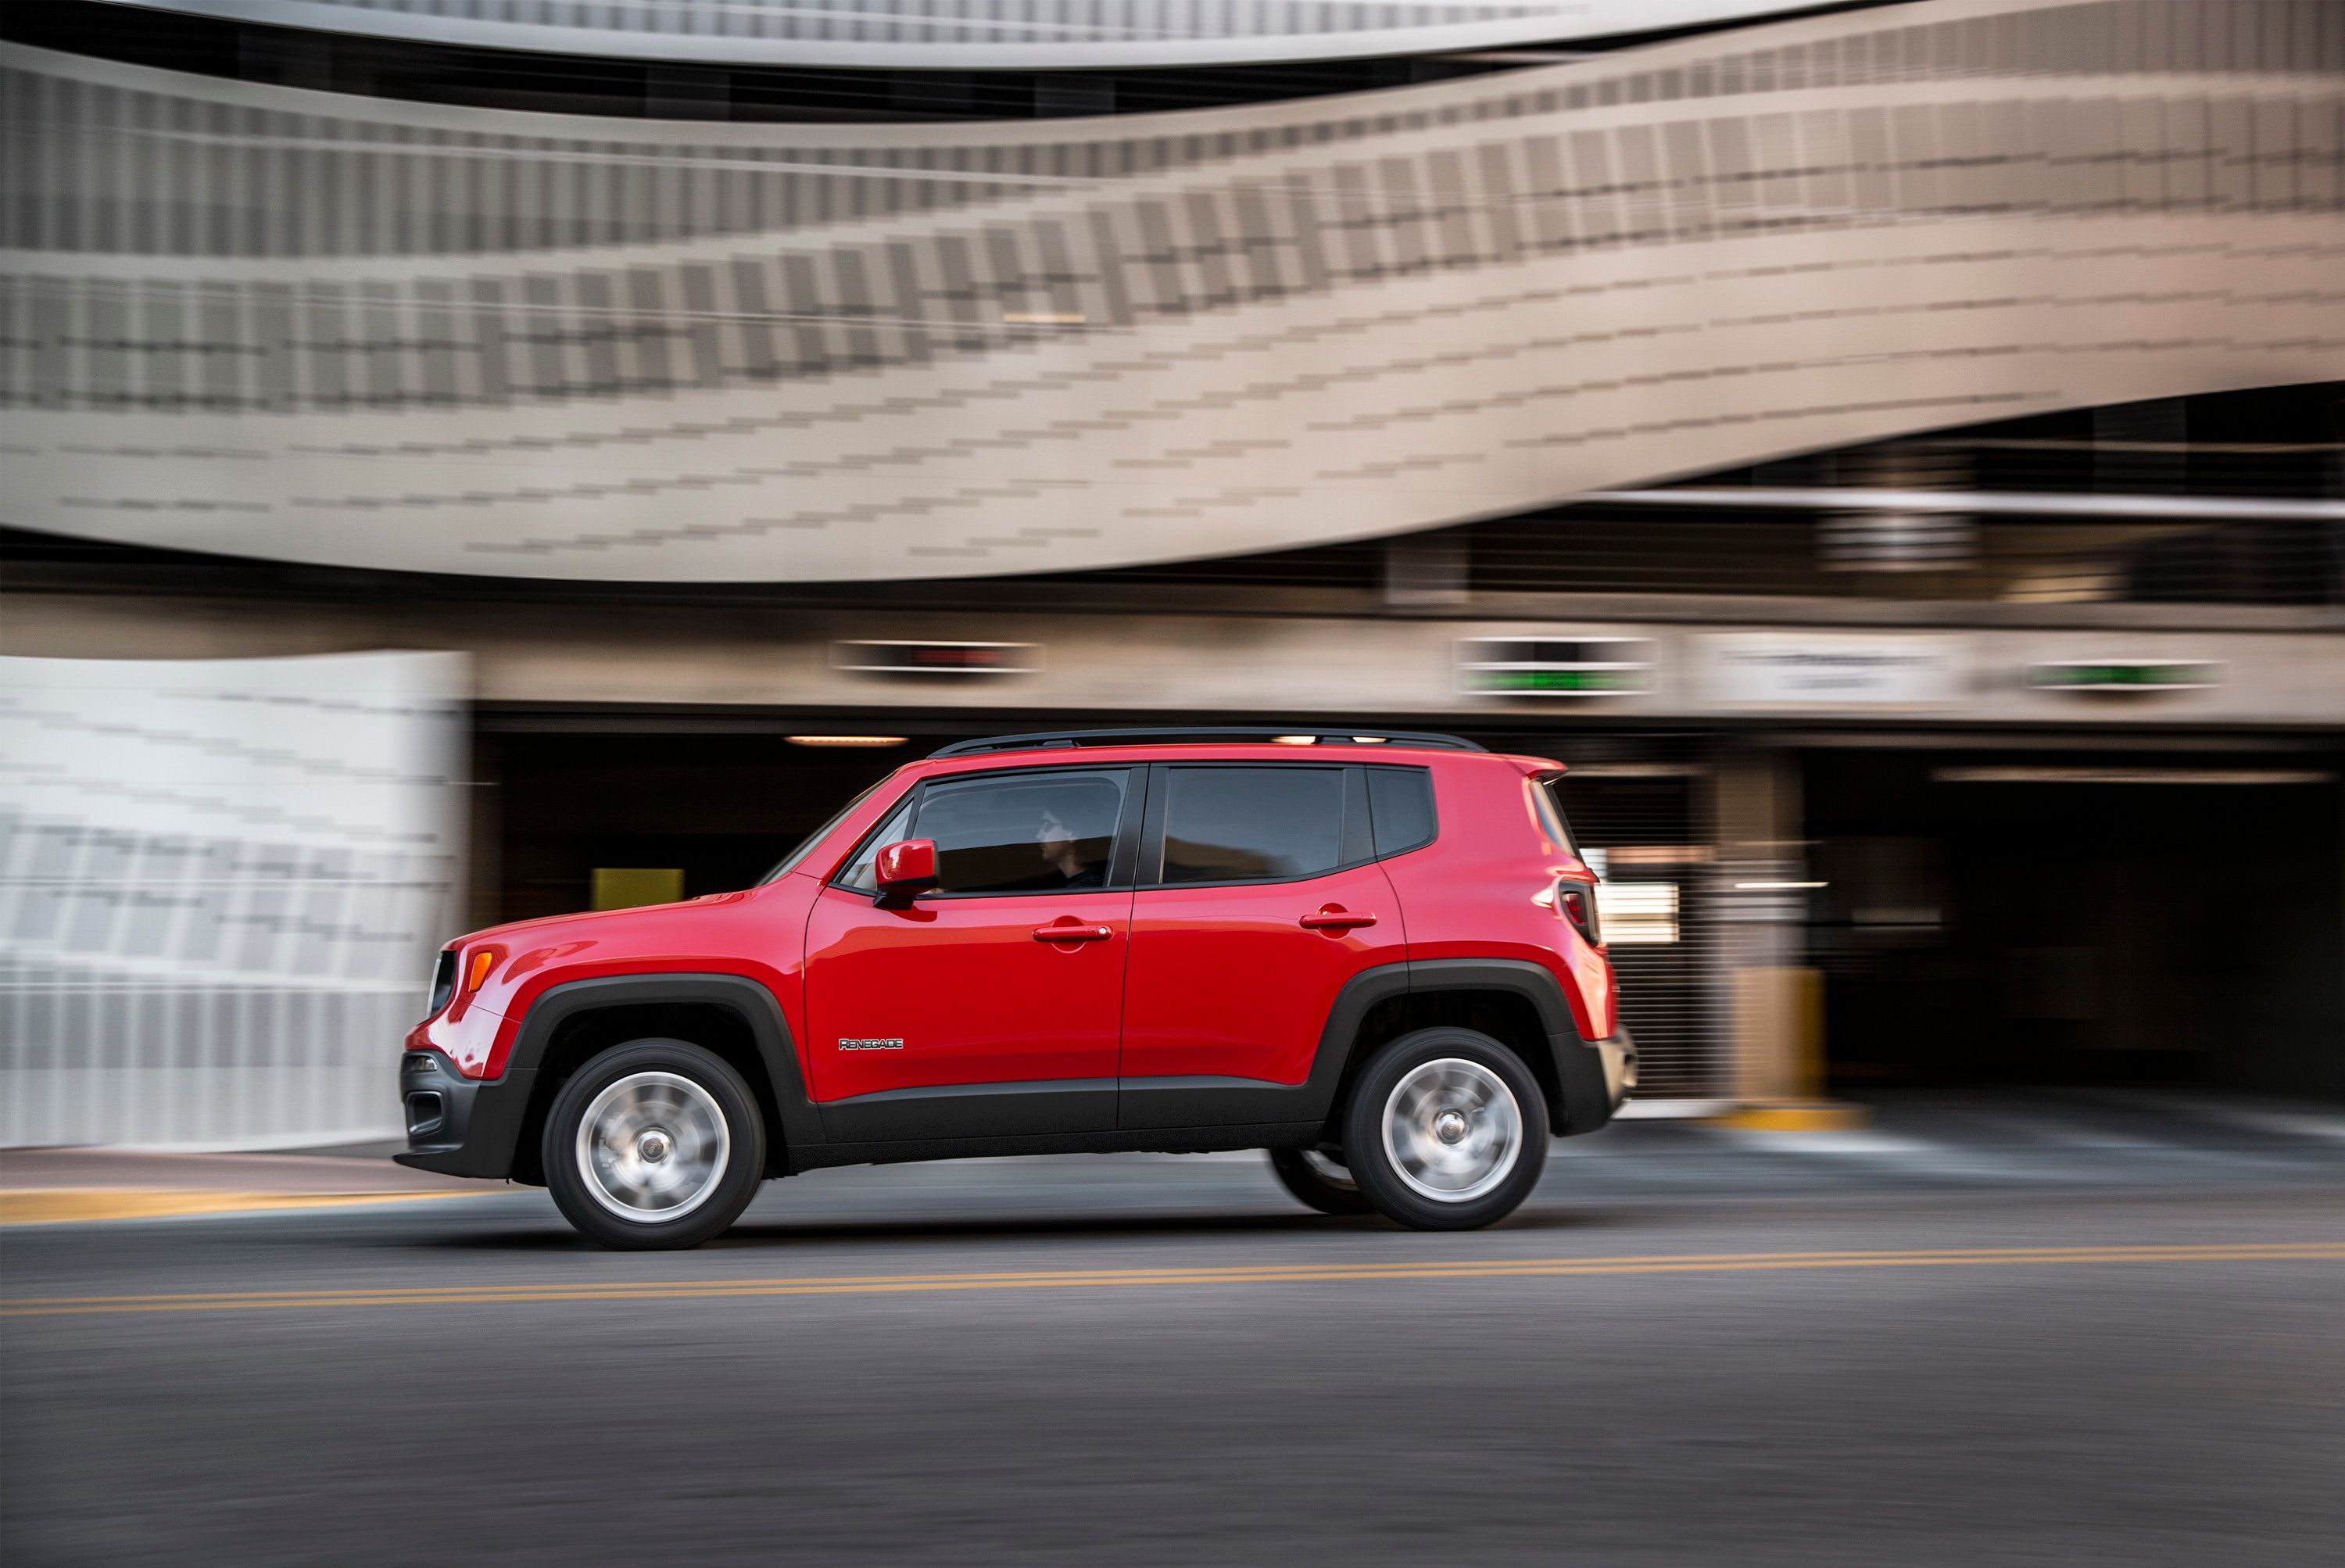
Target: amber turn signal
x=482 y=962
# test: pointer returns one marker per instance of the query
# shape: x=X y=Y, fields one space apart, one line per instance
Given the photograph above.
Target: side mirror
x=908 y=869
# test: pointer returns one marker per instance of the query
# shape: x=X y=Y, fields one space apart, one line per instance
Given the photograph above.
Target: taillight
x=1577 y=902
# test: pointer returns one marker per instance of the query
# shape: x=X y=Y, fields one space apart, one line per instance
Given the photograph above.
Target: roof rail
x=1288 y=734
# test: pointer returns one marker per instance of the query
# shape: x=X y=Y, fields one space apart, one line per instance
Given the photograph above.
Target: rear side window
x=1401 y=801
x=1035 y=833
x=1252 y=824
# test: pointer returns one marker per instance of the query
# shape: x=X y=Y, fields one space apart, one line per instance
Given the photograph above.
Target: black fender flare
x=1581 y=1104
x=749 y=1000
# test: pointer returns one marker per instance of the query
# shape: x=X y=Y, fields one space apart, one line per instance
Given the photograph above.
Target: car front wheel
x=1446 y=1129
x=653 y=1144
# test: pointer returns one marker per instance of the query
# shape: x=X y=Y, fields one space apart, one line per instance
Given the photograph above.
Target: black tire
x=1316 y=1184
x=664 y=1094
x=1425 y=1178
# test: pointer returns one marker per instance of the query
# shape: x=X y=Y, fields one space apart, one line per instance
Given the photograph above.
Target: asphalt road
x=1163 y=1361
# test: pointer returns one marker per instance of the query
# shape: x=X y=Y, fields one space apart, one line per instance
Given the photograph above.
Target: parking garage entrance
x=2001 y=918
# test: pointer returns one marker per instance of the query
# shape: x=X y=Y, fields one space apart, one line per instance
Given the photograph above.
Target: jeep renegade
x=1376 y=955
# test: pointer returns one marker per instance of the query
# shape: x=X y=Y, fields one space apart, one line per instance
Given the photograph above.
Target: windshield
x=806 y=846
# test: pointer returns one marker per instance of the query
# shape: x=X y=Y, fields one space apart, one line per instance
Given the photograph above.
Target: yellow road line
x=1264 y=1274
x=65 y=1205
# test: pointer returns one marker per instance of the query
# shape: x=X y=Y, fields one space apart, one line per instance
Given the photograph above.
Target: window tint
x=1401 y=801
x=1234 y=824
x=861 y=873
x=1025 y=833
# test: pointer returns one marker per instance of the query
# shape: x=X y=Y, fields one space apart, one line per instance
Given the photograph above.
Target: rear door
x=1258 y=898
x=992 y=1005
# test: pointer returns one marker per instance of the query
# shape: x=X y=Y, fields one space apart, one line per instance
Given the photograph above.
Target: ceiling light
x=1294 y=741
x=2030 y=775
x=846 y=740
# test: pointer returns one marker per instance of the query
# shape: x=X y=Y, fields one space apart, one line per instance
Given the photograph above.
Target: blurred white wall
x=222 y=883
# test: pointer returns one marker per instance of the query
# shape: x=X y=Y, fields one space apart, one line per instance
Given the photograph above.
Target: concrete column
x=1427 y=571
x=1771 y=1000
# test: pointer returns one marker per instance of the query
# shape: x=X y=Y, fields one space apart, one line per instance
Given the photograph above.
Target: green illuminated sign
x=1565 y=665
x=1557 y=680
x=2125 y=675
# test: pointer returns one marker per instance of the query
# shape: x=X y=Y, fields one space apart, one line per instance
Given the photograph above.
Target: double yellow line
x=1165 y=1277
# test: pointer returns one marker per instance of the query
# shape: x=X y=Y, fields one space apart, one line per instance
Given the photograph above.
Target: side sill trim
x=1167 y=1140
x=960 y=1111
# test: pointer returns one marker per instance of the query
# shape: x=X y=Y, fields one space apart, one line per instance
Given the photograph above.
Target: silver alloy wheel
x=1452 y=1129
x=653 y=1147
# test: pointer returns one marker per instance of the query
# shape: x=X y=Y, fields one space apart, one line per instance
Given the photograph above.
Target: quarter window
x=861 y=873
x=1034 y=832
x=1401 y=801
x=1252 y=824
x=1552 y=821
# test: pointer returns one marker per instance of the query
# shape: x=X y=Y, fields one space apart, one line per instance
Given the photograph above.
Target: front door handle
x=1334 y=917
x=1071 y=930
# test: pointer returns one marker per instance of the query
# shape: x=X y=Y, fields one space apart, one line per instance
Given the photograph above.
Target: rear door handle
x=1332 y=917
x=1071 y=931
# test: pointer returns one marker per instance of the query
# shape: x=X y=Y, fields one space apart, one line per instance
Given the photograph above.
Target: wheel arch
x=733 y=1016
x=1514 y=1001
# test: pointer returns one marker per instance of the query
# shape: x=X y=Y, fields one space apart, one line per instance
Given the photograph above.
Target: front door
x=965 y=1013
x=1262 y=903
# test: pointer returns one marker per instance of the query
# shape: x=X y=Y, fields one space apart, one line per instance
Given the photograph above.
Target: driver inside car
x=1064 y=850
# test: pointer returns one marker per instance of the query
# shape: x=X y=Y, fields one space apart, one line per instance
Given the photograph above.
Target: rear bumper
x=1620 y=1058
x=1596 y=1078
x=457 y=1126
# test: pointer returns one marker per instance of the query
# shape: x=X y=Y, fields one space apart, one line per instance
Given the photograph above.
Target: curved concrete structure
x=281 y=324
x=999 y=35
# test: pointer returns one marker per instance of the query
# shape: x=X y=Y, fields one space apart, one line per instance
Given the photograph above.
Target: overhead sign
x=936 y=659
x=1808 y=669
x=2125 y=675
x=1554 y=666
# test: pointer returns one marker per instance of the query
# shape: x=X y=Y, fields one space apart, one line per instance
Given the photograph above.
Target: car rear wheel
x=1319 y=1181
x=653 y=1144
x=1446 y=1129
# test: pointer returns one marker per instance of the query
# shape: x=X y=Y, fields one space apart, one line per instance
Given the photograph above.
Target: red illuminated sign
x=936 y=659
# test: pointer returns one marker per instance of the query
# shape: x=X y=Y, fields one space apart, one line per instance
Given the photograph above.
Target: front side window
x=1252 y=824
x=1033 y=832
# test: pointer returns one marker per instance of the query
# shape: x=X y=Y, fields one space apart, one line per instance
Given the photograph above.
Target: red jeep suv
x=1375 y=955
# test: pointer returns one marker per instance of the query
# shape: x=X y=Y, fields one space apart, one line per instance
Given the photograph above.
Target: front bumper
x=457 y=1126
